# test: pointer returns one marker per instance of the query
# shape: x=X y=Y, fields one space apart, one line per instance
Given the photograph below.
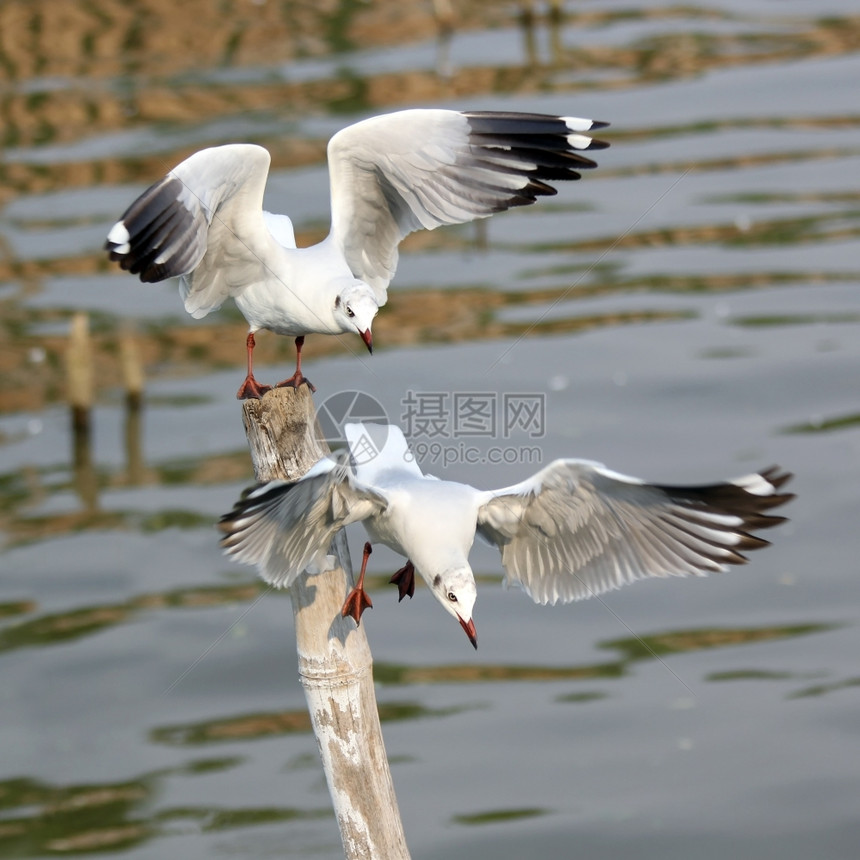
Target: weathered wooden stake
x=80 y=391
x=131 y=366
x=335 y=663
x=79 y=373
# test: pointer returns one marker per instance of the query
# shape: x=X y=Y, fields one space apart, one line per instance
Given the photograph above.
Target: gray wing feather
x=204 y=221
x=285 y=528
x=414 y=169
x=576 y=529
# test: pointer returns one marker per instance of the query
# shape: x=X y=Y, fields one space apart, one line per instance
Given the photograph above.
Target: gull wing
x=203 y=221
x=414 y=169
x=285 y=528
x=577 y=529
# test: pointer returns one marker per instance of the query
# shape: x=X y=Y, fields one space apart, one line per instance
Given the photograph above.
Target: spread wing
x=577 y=529
x=416 y=169
x=204 y=221
x=285 y=528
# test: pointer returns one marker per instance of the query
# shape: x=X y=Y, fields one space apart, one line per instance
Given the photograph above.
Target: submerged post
x=80 y=390
x=335 y=663
x=80 y=377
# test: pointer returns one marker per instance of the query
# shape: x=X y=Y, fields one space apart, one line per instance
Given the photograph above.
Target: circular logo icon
x=353 y=407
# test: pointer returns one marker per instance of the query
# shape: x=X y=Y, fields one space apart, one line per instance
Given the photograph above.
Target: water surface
x=687 y=312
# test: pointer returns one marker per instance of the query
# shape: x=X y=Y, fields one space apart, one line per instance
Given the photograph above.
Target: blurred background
x=685 y=313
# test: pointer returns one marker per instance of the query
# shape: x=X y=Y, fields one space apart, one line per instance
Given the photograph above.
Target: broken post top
x=283 y=433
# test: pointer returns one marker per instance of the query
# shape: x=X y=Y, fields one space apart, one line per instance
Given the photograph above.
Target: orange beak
x=367 y=337
x=470 y=631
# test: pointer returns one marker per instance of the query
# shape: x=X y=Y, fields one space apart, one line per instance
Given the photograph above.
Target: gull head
x=354 y=308
x=455 y=590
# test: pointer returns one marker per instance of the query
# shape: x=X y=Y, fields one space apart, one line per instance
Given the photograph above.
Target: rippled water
x=687 y=312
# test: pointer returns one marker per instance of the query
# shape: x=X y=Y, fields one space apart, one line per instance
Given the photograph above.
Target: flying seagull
x=389 y=175
x=573 y=530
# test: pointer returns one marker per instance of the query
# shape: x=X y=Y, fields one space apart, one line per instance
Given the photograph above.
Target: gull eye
x=349 y=311
x=452 y=597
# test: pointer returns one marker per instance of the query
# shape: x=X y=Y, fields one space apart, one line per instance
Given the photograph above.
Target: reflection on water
x=253 y=726
x=653 y=646
x=58 y=628
x=20 y=607
x=496 y=815
x=825 y=689
x=40 y=819
x=726 y=206
x=61 y=627
x=152 y=72
x=826 y=425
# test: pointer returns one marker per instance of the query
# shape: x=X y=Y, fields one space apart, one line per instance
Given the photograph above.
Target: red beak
x=367 y=337
x=470 y=631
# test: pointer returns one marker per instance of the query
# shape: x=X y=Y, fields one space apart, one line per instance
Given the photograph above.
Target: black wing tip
x=740 y=488
x=776 y=476
x=245 y=501
x=744 y=499
x=748 y=542
x=152 y=223
x=540 y=148
x=530 y=116
x=247 y=506
x=523 y=124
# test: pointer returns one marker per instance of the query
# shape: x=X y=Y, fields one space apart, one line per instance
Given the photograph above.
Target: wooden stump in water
x=131 y=366
x=80 y=391
x=80 y=386
x=335 y=663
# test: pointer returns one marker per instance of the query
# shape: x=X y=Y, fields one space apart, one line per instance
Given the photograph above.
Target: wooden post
x=79 y=373
x=131 y=366
x=80 y=390
x=335 y=663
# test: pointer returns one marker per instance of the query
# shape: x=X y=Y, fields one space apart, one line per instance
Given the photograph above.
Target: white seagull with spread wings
x=389 y=175
x=572 y=531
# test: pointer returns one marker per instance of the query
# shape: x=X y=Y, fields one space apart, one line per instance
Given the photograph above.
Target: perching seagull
x=389 y=175
x=574 y=530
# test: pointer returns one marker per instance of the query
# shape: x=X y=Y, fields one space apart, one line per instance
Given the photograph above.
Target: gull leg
x=250 y=389
x=358 y=599
x=404 y=579
x=298 y=378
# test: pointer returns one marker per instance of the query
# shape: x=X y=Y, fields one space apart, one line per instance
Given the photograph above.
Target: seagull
x=573 y=530
x=389 y=176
